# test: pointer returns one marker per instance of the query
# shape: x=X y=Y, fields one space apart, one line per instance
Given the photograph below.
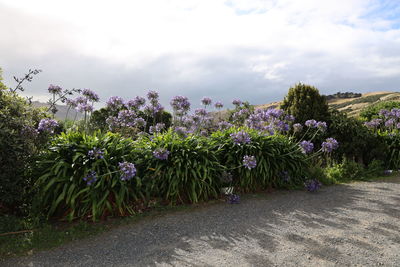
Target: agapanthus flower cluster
x=126 y=118
x=139 y=122
x=311 y=123
x=321 y=125
x=115 y=103
x=297 y=127
x=181 y=131
x=47 y=125
x=206 y=101
x=249 y=162
x=136 y=103
x=306 y=146
x=373 y=124
x=237 y=102
x=153 y=109
x=152 y=95
x=54 y=89
x=240 y=138
x=312 y=185
x=96 y=153
x=223 y=125
x=329 y=145
x=180 y=105
x=269 y=120
x=90 y=178
x=234 y=199
x=157 y=128
x=218 y=105
x=71 y=103
x=84 y=107
x=90 y=95
x=200 y=112
x=29 y=131
x=127 y=170
x=161 y=153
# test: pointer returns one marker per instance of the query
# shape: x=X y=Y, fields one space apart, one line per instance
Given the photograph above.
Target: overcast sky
x=248 y=49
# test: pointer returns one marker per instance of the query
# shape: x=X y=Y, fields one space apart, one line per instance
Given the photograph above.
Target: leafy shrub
x=304 y=102
x=19 y=143
x=190 y=171
x=79 y=176
x=280 y=162
x=372 y=111
x=346 y=171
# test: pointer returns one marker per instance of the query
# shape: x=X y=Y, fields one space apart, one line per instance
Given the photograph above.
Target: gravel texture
x=346 y=225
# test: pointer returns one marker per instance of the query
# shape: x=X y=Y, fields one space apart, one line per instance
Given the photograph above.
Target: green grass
x=58 y=233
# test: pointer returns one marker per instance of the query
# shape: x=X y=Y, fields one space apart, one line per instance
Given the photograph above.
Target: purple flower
x=237 y=102
x=387 y=172
x=47 y=125
x=127 y=169
x=329 y=145
x=306 y=146
x=223 y=125
x=240 y=137
x=115 y=103
x=140 y=122
x=206 y=101
x=126 y=118
x=234 y=199
x=311 y=123
x=373 y=123
x=161 y=153
x=81 y=100
x=157 y=128
x=322 y=126
x=180 y=105
x=274 y=113
x=136 y=103
x=153 y=109
x=112 y=123
x=297 y=127
x=96 y=153
x=218 y=105
x=312 y=185
x=90 y=178
x=90 y=95
x=84 y=107
x=152 y=95
x=181 y=131
x=289 y=118
x=249 y=162
x=389 y=123
x=54 y=89
x=384 y=112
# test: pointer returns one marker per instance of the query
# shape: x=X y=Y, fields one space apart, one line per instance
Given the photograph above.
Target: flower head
x=115 y=103
x=90 y=95
x=206 y=101
x=249 y=162
x=127 y=170
x=152 y=95
x=237 y=102
x=312 y=185
x=241 y=137
x=200 y=112
x=311 y=123
x=54 y=89
x=306 y=146
x=90 y=178
x=136 y=103
x=84 y=107
x=47 y=125
x=321 y=125
x=96 y=153
x=161 y=153
x=329 y=145
x=218 y=105
x=297 y=127
x=180 y=105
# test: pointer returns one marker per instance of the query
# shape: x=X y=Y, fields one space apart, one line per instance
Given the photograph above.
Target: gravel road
x=346 y=225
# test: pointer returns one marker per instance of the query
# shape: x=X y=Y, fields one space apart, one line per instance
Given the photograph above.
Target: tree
x=304 y=102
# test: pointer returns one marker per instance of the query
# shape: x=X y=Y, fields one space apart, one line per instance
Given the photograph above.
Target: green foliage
x=355 y=140
x=274 y=155
x=191 y=172
x=304 y=102
x=19 y=143
x=61 y=188
x=393 y=152
x=340 y=95
x=372 y=111
x=348 y=170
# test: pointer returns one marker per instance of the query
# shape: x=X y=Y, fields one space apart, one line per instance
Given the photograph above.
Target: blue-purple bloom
x=161 y=153
x=389 y=123
x=249 y=162
x=234 y=199
x=218 y=105
x=157 y=128
x=297 y=127
x=180 y=105
x=311 y=123
x=90 y=95
x=312 y=185
x=200 y=112
x=127 y=169
x=373 y=123
x=84 y=107
x=322 y=126
x=223 y=125
x=136 y=103
x=115 y=103
x=139 y=122
x=306 y=146
x=181 y=131
x=126 y=118
x=152 y=95
x=71 y=103
x=96 y=153
x=90 y=178
x=54 y=89
x=206 y=101
x=47 y=125
x=329 y=145
x=241 y=137
x=237 y=102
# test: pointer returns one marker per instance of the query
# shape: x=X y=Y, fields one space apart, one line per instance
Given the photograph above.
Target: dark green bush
x=19 y=143
x=304 y=102
x=372 y=111
x=346 y=171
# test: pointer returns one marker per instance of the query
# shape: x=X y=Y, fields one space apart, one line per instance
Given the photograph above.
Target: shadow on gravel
x=259 y=231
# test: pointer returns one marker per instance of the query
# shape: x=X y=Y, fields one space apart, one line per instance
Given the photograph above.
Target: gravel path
x=346 y=225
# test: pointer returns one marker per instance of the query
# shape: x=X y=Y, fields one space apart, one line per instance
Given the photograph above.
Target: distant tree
x=304 y=102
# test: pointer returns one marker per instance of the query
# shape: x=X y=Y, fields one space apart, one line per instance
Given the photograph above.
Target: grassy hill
x=352 y=106
x=62 y=111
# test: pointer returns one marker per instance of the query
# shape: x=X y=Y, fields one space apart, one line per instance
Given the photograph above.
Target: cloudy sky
x=248 y=49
